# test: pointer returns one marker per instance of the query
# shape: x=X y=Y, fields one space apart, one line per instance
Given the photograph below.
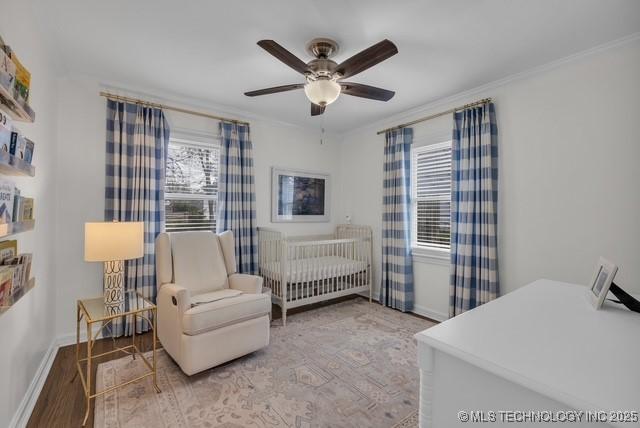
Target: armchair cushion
x=226 y=311
x=251 y=284
x=198 y=263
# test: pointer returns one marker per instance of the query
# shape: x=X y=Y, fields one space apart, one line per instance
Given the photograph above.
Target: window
x=431 y=196
x=191 y=189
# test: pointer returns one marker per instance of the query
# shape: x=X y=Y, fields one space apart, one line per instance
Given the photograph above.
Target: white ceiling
x=207 y=50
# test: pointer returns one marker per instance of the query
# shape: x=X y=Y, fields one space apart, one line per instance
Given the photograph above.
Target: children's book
x=6 y=279
x=7 y=193
x=8 y=249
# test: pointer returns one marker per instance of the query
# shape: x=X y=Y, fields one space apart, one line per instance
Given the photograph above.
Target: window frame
x=424 y=252
x=197 y=141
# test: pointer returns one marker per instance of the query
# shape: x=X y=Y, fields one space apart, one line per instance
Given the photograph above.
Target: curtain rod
x=433 y=116
x=166 y=107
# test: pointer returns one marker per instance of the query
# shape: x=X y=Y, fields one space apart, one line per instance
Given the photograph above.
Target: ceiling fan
x=324 y=76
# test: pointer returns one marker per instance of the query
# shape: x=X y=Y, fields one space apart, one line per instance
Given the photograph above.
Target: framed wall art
x=299 y=196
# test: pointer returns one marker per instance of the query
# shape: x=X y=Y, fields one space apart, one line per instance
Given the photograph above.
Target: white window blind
x=191 y=188
x=431 y=199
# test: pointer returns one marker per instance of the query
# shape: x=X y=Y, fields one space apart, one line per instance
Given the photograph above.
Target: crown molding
x=165 y=97
x=445 y=102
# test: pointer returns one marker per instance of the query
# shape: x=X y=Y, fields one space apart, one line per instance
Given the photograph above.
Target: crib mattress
x=315 y=268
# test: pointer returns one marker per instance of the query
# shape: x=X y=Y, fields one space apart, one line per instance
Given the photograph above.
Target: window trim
x=424 y=252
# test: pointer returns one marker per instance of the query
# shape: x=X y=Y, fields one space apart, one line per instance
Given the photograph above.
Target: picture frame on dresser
x=601 y=281
x=299 y=196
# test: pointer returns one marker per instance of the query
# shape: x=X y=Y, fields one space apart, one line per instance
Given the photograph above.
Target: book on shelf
x=17 y=269
x=16 y=206
x=7 y=70
x=18 y=143
x=6 y=280
x=20 y=146
x=26 y=209
x=18 y=265
x=7 y=193
x=25 y=261
x=12 y=141
x=6 y=129
x=23 y=80
x=8 y=249
x=22 y=208
x=28 y=151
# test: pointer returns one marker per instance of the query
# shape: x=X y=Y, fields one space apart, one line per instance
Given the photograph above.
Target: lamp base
x=114 y=287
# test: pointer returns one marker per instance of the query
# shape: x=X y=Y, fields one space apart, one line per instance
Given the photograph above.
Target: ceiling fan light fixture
x=322 y=92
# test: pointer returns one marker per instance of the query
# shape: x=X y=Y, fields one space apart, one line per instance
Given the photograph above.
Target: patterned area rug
x=352 y=364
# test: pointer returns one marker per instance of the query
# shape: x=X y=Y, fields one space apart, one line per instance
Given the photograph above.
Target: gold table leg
x=155 y=367
x=87 y=393
x=133 y=335
x=78 y=319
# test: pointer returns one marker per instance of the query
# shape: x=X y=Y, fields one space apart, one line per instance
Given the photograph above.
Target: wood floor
x=61 y=402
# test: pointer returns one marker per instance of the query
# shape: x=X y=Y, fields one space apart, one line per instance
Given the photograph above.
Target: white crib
x=301 y=270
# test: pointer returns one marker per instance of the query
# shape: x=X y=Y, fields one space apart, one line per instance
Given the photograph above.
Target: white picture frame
x=299 y=196
x=601 y=281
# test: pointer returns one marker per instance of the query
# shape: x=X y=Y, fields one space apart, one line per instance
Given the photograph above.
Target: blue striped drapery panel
x=474 y=209
x=137 y=142
x=237 y=195
x=396 y=290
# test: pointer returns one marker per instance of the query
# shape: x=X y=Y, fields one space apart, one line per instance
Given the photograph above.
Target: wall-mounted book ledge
x=13 y=165
x=7 y=303
x=8 y=229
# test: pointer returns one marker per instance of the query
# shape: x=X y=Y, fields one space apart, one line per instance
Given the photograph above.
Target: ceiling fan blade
x=367 y=58
x=274 y=90
x=366 y=91
x=284 y=55
x=316 y=110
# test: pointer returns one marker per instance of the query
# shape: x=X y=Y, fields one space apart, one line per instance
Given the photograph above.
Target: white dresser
x=542 y=348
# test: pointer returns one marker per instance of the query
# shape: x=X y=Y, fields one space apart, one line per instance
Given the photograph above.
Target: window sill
x=434 y=256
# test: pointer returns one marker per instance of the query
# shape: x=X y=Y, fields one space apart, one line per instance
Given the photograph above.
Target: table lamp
x=113 y=243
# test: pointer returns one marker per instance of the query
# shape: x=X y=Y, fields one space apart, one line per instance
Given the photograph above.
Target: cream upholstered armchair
x=207 y=313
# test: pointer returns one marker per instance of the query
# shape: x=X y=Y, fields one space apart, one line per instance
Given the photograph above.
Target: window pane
x=191 y=188
x=190 y=214
x=192 y=170
x=431 y=181
x=433 y=222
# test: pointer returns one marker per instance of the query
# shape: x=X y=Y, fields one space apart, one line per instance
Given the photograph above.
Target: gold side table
x=93 y=311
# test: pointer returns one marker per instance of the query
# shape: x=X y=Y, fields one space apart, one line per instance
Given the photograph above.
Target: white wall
x=27 y=329
x=568 y=185
x=81 y=177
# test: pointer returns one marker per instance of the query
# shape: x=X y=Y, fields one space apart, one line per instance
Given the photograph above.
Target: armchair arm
x=172 y=301
x=174 y=295
x=250 y=284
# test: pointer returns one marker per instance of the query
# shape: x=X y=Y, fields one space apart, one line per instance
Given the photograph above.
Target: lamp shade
x=322 y=92
x=108 y=241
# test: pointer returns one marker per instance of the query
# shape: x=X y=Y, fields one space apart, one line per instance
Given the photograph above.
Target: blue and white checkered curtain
x=237 y=194
x=137 y=141
x=474 y=209
x=396 y=290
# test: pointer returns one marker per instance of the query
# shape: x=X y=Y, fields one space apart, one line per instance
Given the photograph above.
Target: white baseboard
x=70 y=338
x=420 y=310
x=430 y=313
x=22 y=415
